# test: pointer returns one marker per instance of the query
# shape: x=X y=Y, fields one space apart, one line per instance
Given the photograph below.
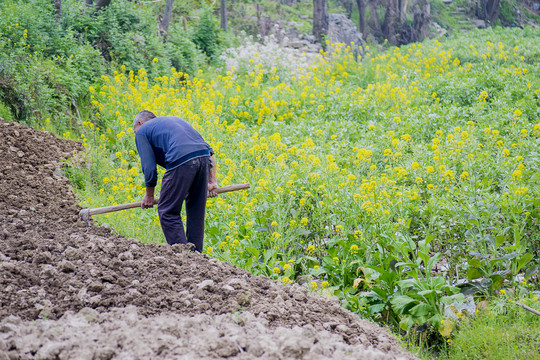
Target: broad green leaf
x=447 y=300
x=524 y=260
x=531 y=271
x=328 y=260
x=436 y=320
x=406 y=323
x=471 y=288
x=253 y=251
x=421 y=310
x=426 y=292
x=317 y=272
x=408 y=283
x=376 y=308
x=496 y=282
x=473 y=273
x=432 y=261
x=474 y=262
x=510 y=256
x=480 y=255
x=499 y=240
x=424 y=257
x=402 y=303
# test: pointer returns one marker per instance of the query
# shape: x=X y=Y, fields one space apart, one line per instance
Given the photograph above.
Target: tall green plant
x=205 y=35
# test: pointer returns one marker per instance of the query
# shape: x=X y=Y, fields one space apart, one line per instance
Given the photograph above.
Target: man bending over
x=172 y=143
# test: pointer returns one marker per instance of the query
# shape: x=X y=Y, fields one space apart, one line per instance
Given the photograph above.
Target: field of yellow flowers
x=399 y=180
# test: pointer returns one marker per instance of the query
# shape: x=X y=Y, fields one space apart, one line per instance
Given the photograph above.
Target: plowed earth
x=71 y=291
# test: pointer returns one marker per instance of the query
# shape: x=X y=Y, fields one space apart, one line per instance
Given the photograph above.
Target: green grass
x=511 y=334
x=5 y=112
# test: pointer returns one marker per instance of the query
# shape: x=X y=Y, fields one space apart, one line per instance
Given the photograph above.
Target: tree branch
x=536 y=312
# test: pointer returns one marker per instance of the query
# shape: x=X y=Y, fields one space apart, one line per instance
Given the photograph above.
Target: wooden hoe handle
x=86 y=213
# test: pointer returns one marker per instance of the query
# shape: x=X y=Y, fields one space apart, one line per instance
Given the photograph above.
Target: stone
x=206 y=285
x=481 y=24
x=342 y=30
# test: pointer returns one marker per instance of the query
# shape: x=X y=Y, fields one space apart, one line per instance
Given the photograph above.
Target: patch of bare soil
x=97 y=295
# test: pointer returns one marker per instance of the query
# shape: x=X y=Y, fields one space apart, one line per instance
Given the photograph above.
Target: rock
x=238 y=283
x=71 y=253
x=206 y=285
x=227 y=348
x=94 y=300
x=296 y=44
x=468 y=307
x=82 y=295
x=8 y=266
x=342 y=30
x=127 y=255
x=89 y=314
x=481 y=24
x=67 y=266
x=48 y=271
x=105 y=353
x=438 y=29
x=8 y=328
x=58 y=172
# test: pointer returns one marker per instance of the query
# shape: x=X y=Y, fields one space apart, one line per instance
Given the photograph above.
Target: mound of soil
x=85 y=283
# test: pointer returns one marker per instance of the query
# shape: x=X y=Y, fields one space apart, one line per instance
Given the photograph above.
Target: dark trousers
x=187 y=182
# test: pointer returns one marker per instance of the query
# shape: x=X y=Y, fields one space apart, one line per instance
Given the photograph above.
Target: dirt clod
x=72 y=291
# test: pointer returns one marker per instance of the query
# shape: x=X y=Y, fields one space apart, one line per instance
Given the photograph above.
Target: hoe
x=86 y=213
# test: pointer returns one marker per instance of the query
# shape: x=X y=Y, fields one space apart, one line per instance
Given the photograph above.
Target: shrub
x=183 y=52
x=205 y=35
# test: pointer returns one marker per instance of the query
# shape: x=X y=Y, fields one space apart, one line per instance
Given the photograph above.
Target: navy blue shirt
x=167 y=141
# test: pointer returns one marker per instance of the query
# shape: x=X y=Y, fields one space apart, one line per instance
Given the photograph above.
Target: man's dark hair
x=143 y=117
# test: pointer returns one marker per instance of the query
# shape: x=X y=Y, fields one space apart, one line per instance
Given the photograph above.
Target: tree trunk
x=422 y=17
x=348 y=5
x=166 y=20
x=374 y=22
x=58 y=6
x=362 y=17
x=402 y=10
x=488 y=10
x=492 y=10
x=223 y=13
x=320 y=19
x=391 y=26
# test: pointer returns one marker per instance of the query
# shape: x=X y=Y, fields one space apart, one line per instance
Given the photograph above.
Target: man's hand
x=147 y=202
x=148 y=199
x=212 y=187
x=212 y=179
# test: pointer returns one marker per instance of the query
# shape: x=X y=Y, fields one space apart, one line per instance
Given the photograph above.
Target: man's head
x=141 y=118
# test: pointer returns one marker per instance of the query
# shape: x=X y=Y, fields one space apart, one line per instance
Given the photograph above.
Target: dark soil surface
x=98 y=295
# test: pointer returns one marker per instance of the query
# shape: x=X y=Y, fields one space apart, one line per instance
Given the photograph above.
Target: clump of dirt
x=124 y=332
x=54 y=267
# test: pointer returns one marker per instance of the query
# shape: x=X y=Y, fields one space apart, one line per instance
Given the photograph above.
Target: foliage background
x=400 y=181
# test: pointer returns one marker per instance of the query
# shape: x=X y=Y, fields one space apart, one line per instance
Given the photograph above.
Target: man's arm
x=148 y=199
x=212 y=179
x=148 y=164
